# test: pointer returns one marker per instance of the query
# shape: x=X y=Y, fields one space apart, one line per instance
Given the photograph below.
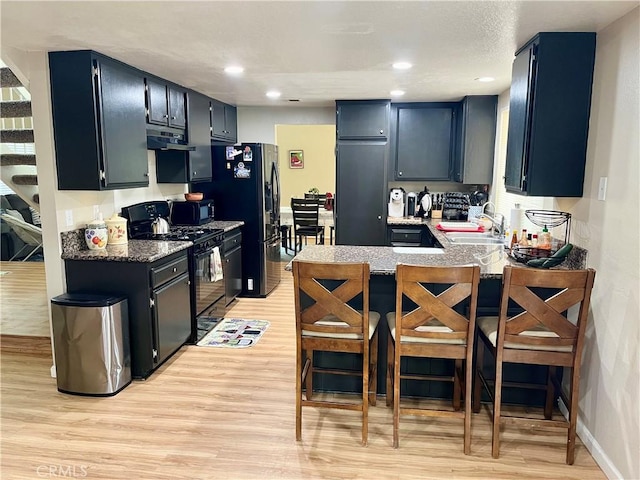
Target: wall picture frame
x=296 y=159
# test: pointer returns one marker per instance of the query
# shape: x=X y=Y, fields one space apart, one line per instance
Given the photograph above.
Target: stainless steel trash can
x=91 y=343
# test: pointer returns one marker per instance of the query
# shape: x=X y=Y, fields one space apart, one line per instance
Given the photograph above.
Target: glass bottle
x=514 y=240
x=544 y=241
x=523 y=238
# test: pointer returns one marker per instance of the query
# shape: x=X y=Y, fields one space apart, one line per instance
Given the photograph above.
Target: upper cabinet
x=166 y=104
x=362 y=120
x=223 y=122
x=98 y=107
x=476 y=135
x=549 y=115
x=180 y=166
x=423 y=140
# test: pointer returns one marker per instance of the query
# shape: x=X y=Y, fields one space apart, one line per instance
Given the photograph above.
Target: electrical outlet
x=602 y=189
x=68 y=216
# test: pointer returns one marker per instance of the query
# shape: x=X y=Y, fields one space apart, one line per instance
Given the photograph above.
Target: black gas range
x=205 y=256
x=202 y=238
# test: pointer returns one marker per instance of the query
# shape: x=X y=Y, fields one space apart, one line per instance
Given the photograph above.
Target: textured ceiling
x=313 y=51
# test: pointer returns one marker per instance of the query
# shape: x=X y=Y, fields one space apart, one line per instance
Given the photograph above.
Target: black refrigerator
x=246 y=187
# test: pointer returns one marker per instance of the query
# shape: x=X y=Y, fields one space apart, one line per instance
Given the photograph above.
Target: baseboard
x=598 y=454
x=26 y=345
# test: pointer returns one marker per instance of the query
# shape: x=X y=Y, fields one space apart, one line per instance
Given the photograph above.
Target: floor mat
x=205 y=325
x=235 y=333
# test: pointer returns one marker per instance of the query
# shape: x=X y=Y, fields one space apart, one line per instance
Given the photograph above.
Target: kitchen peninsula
x=383 y=260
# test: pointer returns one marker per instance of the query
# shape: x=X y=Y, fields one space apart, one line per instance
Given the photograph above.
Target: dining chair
x=305 y=222
x=30 y=234
x=332 y=315
x=438 y=321
x=534 y=329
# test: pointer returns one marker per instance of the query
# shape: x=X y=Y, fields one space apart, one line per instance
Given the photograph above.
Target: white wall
x=258 y=124
x=610 y=231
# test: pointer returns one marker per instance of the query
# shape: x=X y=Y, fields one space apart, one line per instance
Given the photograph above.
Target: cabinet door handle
x=379 y=217
x=175 y=269
x=165 y=116
x=381 y=132
x=173 y=118
x=399 y=174
x=145 y=174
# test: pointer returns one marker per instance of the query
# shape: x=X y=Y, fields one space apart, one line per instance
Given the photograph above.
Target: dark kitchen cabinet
x=410 y=236
x=99 y=122
x=159 y=302
x=423 y=141
x=361 y=193
x=476 y=136
x=232 y=264
x=180 y=166
x=166 y=104
x=224 y=122
x=549 y=115
x=366 y=119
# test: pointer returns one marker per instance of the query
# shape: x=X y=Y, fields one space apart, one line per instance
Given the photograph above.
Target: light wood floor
x=23 y=299
x=213 y=413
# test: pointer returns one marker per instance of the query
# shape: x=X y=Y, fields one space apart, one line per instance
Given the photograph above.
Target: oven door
x=206 y=289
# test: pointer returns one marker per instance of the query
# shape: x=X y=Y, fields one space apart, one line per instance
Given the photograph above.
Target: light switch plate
x=68 y=217
x=602 y=189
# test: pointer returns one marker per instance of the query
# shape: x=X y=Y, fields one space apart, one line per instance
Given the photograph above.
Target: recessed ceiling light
x=273 y=94
x=402 y=65
x=234 y=70
x=485 y=79
x=397 y=93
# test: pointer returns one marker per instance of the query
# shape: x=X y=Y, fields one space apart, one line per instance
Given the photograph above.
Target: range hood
x=162 y=140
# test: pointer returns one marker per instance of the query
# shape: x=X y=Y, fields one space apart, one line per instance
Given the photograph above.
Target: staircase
x=17 y=152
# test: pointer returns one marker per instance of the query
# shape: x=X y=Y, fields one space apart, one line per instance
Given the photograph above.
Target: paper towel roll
x=516 y=218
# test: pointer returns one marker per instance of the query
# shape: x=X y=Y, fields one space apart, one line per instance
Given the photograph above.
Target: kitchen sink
x=418 y=250
x=471 y=238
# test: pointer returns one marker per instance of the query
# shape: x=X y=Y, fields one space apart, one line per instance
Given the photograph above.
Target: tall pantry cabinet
x=362 y=150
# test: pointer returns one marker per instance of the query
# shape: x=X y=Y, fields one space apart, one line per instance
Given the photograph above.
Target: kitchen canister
x=96 y=234
x=117 y=229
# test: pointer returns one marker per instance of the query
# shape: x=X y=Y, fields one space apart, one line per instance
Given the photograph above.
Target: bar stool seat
x=532 y=328
x=432 y=327
x=327 y=321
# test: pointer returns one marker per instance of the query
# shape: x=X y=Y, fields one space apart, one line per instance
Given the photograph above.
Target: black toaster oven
x=191 y=213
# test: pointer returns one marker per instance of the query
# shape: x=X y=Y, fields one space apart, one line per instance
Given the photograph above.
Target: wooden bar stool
x=325 y=321
x=433 y=329
x=539 y=334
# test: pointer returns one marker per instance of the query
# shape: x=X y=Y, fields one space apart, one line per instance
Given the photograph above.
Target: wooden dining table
x=325 y=217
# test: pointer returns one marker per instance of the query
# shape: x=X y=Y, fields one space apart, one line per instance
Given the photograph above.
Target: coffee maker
x=411 y=203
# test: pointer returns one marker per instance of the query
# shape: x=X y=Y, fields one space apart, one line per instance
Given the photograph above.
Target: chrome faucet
x=498 y=226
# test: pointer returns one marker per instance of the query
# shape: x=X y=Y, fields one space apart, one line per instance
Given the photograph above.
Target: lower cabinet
x=232 y=264
x=159 y=302
x=410 y=236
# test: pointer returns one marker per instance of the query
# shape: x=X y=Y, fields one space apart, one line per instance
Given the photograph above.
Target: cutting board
x=459 y=227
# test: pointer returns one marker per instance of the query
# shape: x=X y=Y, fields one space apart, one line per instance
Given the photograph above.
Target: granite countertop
x=226 y=225
x=383 y=260
x=144 y=251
